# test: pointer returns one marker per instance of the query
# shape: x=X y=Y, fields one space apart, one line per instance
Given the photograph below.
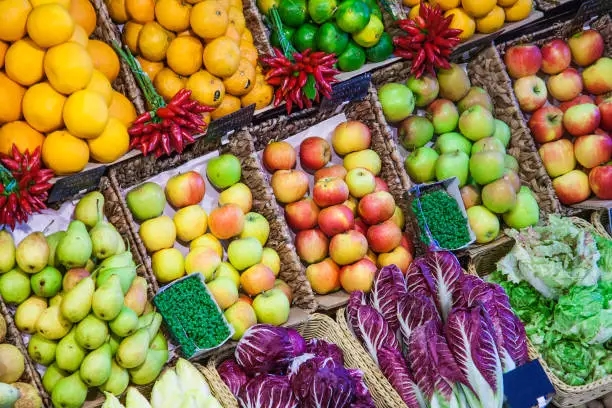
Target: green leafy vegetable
x=571 y=361
x=580 y=315
x=604 y=246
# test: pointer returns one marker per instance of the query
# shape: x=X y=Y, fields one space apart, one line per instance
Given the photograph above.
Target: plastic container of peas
x=192 y=317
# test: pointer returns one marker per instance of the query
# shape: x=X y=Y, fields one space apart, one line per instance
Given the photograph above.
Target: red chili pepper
x=177 y=110
x=136 y=130
x=165 y=113
x=189 y=105
x=39 y=188
x=202 y=109
x=11 y=164
x=197 y=119
x=165 y=142
x=134 y=142
x=153 y=141
x=25 y=205
x=187 y=136
x=25 y=180
x=16 y=153
x=176 y=138
x=180 y=97
x=144 y=117
x=148 y=128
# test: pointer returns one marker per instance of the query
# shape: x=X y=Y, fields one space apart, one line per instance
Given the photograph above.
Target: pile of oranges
x=203 y=46
x=55 y=85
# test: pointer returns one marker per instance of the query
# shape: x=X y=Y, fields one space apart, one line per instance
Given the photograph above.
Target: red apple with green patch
x=358 y=276
x=523 y=60
x=605 y=110
x=444 y=116
x=348 y=247
x=301 y=215
x=558 y=157
x=375 y=208
x=337 y=170
x=582 y=119
x=360 y=226
x=586 y=47
x=351 y=136
x=381 y=185
x=336 y=220
x=546 y=124
x=324 y=276
x=593 y=150
x=330 y=191
x=185 y=189
x=425 y=89
x=384 y=237
x=289 y=185
x=572 y=187
x=360 y=182
x=311 y=245
x=579 y=100
x=598 y=77
x=556 y=56
x=600 y=180
x=279 y=156
x=315 y=153
x=530 y=92
x=566 y=85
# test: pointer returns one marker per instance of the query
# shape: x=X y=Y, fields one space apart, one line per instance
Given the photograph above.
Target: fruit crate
x=318 y=326
x=297 y=126
x=489 y=71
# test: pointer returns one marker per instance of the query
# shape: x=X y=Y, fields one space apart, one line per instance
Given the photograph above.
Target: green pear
x=42 y=350
x=111 y=401
x=7 y=251
x=76 y=304
x=53 y=241
x=104 y=240
x=126 y=275
x=72 y=277
x=15 y=286
x=28 y=313
x=47 y=282
x=152 y=322
x=91 y=332
x=8 y=395
x=51 y=377
x=32 y=253
x=96 y=367
x=117 y=381
x=69 y=392
x=113 y=341
x=132 y=350
x=159 y=342
x=526 y=212
x=69 y=354
x=135 y=399
x=148 y=371
x=89 y=210
x=120 y=243
x=125 y=323
x=52 y=324
x=116 y=261
x=108 y=299
x=74 y=250
x=136 y=296
x=57 y=299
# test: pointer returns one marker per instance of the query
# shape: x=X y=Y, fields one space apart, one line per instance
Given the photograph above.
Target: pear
x=47 y=282
x=132 y=350
x=57 y=299
x=152 y=322
x=13 y=363
x=148 y=371
x=159 y=342
x=91 y=332
x=113 y=341
x=76 y=304
x=7 y=251
x=136 y=296
x=126 y=276
x=69 y=392
x=104 y=240
x=72 y=277
x=42 y=350
x=116 y=261
x=30 y=397
x=53 y=240
x=89 y=210
x=51 y=377
x=125 y=323
x=117 y=381
x=8 y=395
x=135 y=399
x=32 y=253
x=74 y=249
x=120 y=243
x=96 y=367
x=15 y=286
x=111 y=401
x=90 y=265
x=28 y=313
x=69 y=354
x=52 y=324
x=108 y=299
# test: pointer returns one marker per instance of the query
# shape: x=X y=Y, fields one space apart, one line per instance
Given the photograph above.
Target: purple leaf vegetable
x=331 y=387
x=268 y=391
x=414 y=310
x=324 y=348
x=388 y=286
x=356 y=299
x=373 y=330
x=443 y=274
x=302 y=371
x=232 y=375
x=394 y=367
x=362 y=394
x=297 y=342
x=264 y=348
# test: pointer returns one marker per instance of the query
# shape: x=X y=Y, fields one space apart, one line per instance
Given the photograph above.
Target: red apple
x=470 y=194
x=530 y=92
x=185 y=189
x=598 y=77
x=605 y=110
x=289 y=185
x=348 y=247
x=384 y=237
x=337 y=170
x=579 y=100
x=556 y=56
x=360 y=226
x=599 y=99
x=558 y=157
x=336 y=219
x=301 y=215
x=226 y=221
x=245 y=298
x=593 y=150
x=324 y=276
x=600 y=180
x=399 y=257
x=351 y=203
x=285 y=288
x=582 y=119
x=546 y=124
x=566 y=85
x=330 y=191
x=258 y=278
x=572 y=187
x=279 y=156
x=375 y=208
x=523 y=60
x=600 y=131
x=358 y=276
x=311 y=245
x=381 y=185
x=351 y=136
x=587 y=47
x=315 y=153
x=407 y=243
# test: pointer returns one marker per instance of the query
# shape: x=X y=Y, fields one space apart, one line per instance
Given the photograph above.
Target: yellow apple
x=203 y=260
x=225 y=269
x=158 y=233
x=168 y=264
x=256 y=225
x=208 y=241
x=224 y=291
x=271 y=259
x=241 y=316
x=244 y=252
x=190 y=222
x=239 y=194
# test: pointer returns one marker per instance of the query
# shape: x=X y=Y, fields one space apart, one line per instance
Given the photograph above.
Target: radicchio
x=268 y=391
x=302 y=371
x=331 y=387
x=388 y=286
x=363 y=398
x=264 y=348
x=297 y=342
x=414 y=310
x=324 y=348
x=394 y=367
x=232 y=375
x=373 y=330
x=357 y=298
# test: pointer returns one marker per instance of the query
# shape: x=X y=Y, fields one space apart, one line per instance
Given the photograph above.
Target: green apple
x=256 y=226
x=476 y=123
x=499 y=196
x=272 y=307
x=224 y=171
x=415 y=132
x=502 y=132
x=425 y=89
x=484 y=223
x=360 y=182
x=397 y=101
x=511 y=163
x=146 y=201
x=451 y=142
x=47 y=282
x=455 y=164
x=241 y=316
x=421 y=164
x=244 y=252
x=526 y=212
x=487 y=166
x=444 y=116
x=271 y=259
x=226 y=270
x=488 y=143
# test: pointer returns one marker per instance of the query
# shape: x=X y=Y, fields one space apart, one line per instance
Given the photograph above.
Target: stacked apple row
x=349 y=224
x=245 y=265
x=562 y=85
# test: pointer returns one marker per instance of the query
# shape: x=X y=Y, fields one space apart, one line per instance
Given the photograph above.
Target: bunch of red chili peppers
x=24 y=186
x=169 y=128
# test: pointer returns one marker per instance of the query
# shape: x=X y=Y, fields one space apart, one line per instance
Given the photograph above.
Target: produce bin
x=318 y=326
x=601 y=221
x=546 y=5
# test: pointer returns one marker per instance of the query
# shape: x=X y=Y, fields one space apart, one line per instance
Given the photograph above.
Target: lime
x=352 y=16
x=321 y=10
x=274 y=40
x=292 y=12
x=382 y=50
x=331 y=39
x=369 y=36
x=352 y=58
x=375 y=11
x=304 y=37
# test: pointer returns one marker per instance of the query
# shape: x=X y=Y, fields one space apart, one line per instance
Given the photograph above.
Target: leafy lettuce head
x=571 y=361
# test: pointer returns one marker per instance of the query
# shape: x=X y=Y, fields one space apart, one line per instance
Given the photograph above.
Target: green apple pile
x=459 y=137
x=232 y=257
x=78 y=297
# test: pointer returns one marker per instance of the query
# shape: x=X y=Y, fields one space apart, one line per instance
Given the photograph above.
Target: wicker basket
x=318 y=327
x=546 y=5
x=600 y=219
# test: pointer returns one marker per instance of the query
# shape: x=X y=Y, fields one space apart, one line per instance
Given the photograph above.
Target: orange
x=506 y=3
x=13 y=17
x=236 y=18
x=83 y=14
x=64 y=153
x=111 y=144
x=247 y=36
x=99 y=83
x=153 y=41
x=235 y=3
x=11 y=95
x=492 y=21
x=23 y=62
x=79 y=36
x=478 y=8
x=519 y=11
x=173 y=15
x=229 y=105
x=121 y=108
x=207 y=118
x=64 y=3
x=130 y=34
x=414 y=11
x=42 y=107
x=22 y=135
x=261 y=94
x=209 y=19
x=104 y=58
x=222 y=57
x=168 y=83
x=149 y=67
x=248 y=52
x=224 y=3
x=462 y=21
x=49 y=25
x=68 y=67
x=232 y=33
x=117 y=11
x=444 y=4
x=206 y=88
x=410 y=3
x=3 y=47
x=186 y=33
x=183 y=56
x=242 y=81
x=141 y=11
x=85 y=114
